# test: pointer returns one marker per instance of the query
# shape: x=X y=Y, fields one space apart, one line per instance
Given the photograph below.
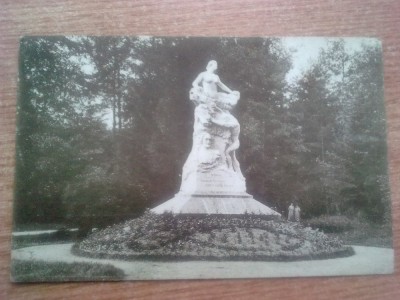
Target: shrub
x=331 y=224
x=60 y=236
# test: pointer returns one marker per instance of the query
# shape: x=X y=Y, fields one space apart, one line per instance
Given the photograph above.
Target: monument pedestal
x=214 y=204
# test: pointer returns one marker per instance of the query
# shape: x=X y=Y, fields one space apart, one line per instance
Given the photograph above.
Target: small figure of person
x=291 y=213
x=297 y=211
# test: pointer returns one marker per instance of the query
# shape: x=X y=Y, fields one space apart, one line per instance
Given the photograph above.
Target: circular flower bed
x=215 y=237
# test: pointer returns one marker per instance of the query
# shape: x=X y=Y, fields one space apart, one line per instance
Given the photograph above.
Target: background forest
x=105 y=125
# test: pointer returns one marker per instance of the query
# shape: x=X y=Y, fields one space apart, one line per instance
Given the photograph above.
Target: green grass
x=40 y=271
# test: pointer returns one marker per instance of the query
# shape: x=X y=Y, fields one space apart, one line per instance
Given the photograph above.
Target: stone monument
x=212 y=182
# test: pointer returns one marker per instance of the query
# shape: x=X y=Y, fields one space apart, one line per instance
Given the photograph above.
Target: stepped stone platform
x=214 y=204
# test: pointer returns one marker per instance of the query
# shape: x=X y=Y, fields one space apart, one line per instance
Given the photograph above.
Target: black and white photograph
x=161 y=158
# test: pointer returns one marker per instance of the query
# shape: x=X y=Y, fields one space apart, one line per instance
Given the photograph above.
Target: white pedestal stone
x=214 y=204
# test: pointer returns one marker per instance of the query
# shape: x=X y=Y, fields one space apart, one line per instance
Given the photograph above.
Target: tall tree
x=56 y=124
x=341 y=99
x=369 y=160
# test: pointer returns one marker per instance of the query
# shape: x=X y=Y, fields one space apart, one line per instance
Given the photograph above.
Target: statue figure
x=212 y=182
x=212 y=115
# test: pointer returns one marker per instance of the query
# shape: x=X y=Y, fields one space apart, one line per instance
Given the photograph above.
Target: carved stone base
x=214 y=204
x=217 y=182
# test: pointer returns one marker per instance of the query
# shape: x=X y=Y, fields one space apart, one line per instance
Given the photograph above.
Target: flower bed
x=215 y=237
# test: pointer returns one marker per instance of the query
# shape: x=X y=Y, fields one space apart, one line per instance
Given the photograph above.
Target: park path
x=367 y=260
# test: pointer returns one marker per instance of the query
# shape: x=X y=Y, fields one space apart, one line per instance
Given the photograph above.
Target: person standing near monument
x=291 y=213
x=297 y=211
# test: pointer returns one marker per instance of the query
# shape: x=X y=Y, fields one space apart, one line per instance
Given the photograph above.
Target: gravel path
x=367 y=260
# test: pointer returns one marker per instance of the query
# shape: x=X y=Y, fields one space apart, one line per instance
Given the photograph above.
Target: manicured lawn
x=33 y=271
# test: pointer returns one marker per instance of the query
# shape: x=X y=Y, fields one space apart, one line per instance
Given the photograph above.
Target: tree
x=369 y=159
x=341 y=100
x=56 y=125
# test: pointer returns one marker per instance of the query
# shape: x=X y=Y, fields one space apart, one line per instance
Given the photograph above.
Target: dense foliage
x=105 y=126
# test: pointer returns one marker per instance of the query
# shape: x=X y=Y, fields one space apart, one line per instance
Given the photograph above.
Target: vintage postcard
x=199 y=158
